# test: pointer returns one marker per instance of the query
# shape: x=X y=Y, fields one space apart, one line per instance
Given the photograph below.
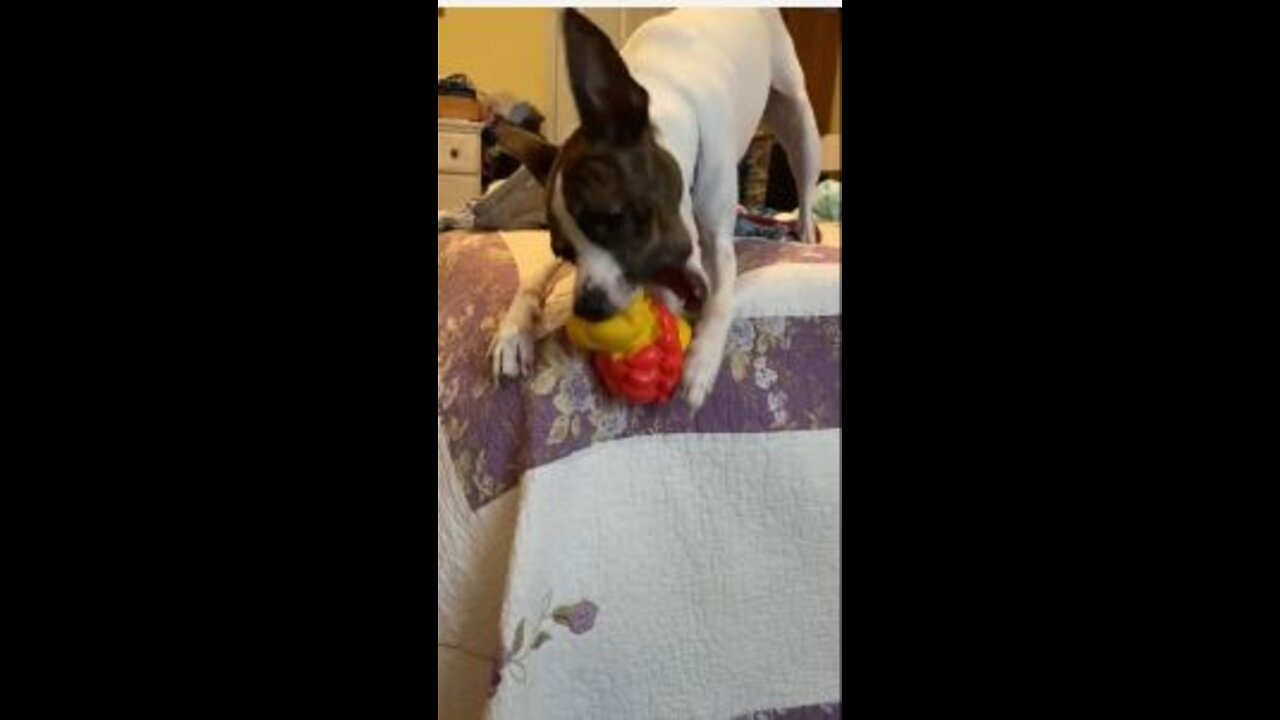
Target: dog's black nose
x=592 y=304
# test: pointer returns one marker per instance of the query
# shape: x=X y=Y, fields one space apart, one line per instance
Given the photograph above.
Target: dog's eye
x=608 y=217
x=602 y=225
x=562 y=249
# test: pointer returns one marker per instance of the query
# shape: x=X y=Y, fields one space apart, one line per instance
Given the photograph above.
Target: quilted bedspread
x=601 y=560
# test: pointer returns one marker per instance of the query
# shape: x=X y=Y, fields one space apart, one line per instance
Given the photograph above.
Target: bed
x=598 y=560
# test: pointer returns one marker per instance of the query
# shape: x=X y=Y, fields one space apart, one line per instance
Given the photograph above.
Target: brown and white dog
x=645 y=193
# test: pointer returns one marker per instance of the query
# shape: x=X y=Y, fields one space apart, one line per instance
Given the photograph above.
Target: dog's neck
x=675 y=130
x=675 y=126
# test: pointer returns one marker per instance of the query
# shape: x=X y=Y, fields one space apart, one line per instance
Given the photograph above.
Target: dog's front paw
x=701 y=368
x=512 y=353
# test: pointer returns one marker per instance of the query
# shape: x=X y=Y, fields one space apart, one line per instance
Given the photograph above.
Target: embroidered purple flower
x=583 y=617
x=580 y=618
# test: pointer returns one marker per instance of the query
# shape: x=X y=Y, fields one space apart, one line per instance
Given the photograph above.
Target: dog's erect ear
x=533 y=152
x=610 y=103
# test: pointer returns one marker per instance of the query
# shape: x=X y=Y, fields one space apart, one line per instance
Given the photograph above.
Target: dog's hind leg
x=790 y=114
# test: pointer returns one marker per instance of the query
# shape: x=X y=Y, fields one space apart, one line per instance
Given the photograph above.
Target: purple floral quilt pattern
x=780 y=373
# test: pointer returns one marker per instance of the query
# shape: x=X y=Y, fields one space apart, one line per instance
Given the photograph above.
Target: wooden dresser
x=457 y=163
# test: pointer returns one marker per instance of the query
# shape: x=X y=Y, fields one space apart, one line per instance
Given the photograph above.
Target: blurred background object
x=513 y=60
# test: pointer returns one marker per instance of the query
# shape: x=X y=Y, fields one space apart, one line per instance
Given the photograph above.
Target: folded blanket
x=516 y=203
x=828 y=204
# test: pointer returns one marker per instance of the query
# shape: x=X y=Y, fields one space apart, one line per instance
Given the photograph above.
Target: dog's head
x=613 y=195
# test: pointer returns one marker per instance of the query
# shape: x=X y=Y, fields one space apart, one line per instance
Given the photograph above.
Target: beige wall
x=501 y=50
x=510 y=50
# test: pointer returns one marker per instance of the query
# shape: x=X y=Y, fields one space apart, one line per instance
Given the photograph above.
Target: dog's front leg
x=512 y=349
x=706 y=354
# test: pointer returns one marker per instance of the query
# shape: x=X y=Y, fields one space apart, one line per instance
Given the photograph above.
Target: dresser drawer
x=457 y=152
x=454 y=191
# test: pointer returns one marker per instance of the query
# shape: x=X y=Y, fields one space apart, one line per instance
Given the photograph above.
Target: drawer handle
x=453 y=153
